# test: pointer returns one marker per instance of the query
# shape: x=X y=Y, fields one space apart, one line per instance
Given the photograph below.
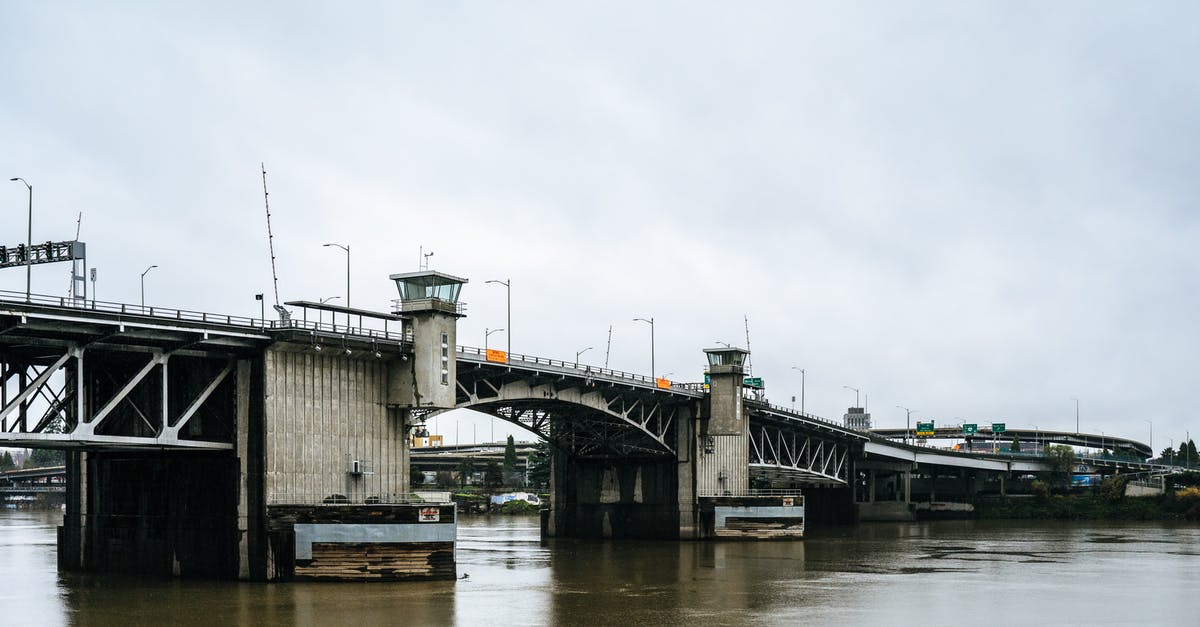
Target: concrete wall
x=723 y=465
x=322 y=410
x=725 y=412
x=419 y=382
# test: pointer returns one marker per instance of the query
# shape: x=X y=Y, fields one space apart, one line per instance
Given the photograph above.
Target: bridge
x=265 y=425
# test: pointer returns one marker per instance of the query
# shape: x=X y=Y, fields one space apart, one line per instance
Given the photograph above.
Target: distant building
x=857 y=418
x=421 y=438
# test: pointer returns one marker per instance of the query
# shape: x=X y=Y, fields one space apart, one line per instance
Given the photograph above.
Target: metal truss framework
x=65 y=398
x=798 y=453
x=581 y=416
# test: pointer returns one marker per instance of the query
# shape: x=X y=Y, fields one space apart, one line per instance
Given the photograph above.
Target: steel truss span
x=87 y=399
x=798 y=455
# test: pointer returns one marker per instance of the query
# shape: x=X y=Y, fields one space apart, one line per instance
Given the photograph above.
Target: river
x=934 y=573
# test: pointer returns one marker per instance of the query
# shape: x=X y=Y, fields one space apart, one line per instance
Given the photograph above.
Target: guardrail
x=784 y=410
x=325 y=498
x=743 y=493
x=243 y=323
x=584 y=370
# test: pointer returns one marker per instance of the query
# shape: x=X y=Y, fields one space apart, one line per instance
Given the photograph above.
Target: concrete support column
x=907 y=486
x=933 y=486
x=870 y=486
x=686 y=446
x=1003 y=491
x=245 y=476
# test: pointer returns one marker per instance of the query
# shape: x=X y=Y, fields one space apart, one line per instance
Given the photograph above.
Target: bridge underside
x=86 y=381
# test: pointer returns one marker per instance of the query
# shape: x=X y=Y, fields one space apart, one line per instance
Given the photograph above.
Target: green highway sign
x=970 y=429
x=925 y=428
x=997 y=427
x=753 y=382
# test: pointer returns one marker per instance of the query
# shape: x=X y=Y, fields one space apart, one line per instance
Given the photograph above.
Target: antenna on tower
x=283 y=313
x=608 y=348
x=76 y=277
x=749 y=364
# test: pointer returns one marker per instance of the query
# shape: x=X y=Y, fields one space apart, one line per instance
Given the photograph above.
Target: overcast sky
x=975 y=210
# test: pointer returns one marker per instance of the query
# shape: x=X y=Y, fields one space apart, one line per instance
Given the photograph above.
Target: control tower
x=723 y=463
x=430 y=306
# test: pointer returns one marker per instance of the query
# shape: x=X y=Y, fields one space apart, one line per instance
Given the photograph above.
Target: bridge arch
x=579 y=415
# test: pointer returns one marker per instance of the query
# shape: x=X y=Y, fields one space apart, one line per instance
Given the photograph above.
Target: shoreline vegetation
x=1174 y=505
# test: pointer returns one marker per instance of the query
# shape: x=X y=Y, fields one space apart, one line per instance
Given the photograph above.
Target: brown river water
x=931 y=573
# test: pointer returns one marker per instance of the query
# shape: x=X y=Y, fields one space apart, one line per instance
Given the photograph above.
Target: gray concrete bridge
x=257 y=423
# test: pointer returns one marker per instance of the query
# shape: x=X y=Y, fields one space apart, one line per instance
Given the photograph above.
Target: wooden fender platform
x=340 y=542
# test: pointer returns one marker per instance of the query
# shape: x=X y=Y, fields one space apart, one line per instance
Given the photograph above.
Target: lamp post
x=578 y=353
x=262 y=309
x=855 y=394
x=1151 y=423
x=486 y=334
x=907 y=421
x=1076 y=414
x=507 y=283
x=1037 y=436
x=347 y=249
x=649 y=321
x=802 y=372
x=28 y=238
x=320 y=314
x=144 y=287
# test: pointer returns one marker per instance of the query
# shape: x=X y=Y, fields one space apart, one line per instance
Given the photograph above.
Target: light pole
x=1037 y=436
x=801 y=387
x=649 y=321
x=486 y=334
x=507 y=283
x=1151 y=423
x=1076 y=414
x=907 y=421
x=855 y=394
x=347 y=249
x=262 y=308
x=1171 y=442
x=578 y=353
x=28 y=238
x=320 y=314
x=144 y=287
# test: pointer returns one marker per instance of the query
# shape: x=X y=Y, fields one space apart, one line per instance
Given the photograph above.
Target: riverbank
x=1181 y=506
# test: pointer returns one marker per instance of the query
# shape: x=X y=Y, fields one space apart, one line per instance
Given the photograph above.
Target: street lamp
x=486 y=334
x=802 y=372
x=578 y=353
x=1076 y=414
x=144 y=287
x=347 y=249
x=907 y=421
x=1151 y=423
x=855 y=394
x=649 y=321
x=320 y=314
x=28 y=238
x=262 y=308
x=1037 y=436
x=507 y=283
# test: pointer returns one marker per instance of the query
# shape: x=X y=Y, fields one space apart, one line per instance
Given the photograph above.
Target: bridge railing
x=583 y=369
x=243 y=323
x=785 y=410
x=325 y=498
x=753 y=492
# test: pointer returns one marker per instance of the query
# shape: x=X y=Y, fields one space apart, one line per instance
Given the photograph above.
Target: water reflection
x=928 y=573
